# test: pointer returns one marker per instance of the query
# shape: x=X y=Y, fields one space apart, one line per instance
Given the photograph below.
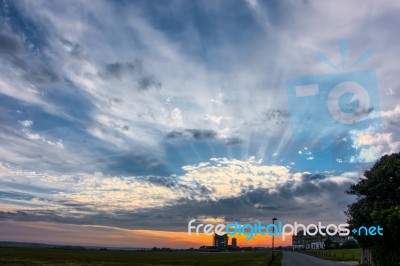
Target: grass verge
x=48 y=256
x=336 y=254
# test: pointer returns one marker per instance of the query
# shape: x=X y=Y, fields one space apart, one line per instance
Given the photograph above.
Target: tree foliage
x=378 y=203
x=351 y=243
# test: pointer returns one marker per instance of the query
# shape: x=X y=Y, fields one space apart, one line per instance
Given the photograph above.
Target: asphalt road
x=299 y=259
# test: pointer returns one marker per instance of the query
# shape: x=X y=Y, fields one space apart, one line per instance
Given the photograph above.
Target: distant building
x=234 y=242
x=301 y=241
x=220 y=241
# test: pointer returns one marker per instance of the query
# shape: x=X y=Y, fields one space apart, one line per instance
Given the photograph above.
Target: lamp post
x=273 y=237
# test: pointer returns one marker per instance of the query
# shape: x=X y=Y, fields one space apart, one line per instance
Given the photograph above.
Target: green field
x=336 y=254
x=48 y=256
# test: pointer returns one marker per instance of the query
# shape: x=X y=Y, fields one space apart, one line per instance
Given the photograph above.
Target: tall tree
x=378 y=203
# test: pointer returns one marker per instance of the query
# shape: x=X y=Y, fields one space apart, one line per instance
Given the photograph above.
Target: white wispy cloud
x=186 y=83
x=158 y=87
x=26 y=123
x=374 y=142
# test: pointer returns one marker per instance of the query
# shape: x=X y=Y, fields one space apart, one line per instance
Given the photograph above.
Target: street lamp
x=273 y=236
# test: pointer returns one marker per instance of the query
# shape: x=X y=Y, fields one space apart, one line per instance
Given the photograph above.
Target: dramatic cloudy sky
x=121 y=121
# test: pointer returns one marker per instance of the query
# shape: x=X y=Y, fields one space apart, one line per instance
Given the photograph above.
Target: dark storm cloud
x=167 y=181
x=262 y=205
x=280 y=116
x=233 y=141
x=148 y=82
x=196 y=134
x=134 y=70
x=290 y=202
x=42 y=74
x=201 y=135
x=118 y=100
x=9 y=44
x=131 y=163
x=394 y=123
x=175 y=135
x=117 y=125
x=118 y=69
x=75 y=49
x=312 y=176
x=12 y=52
x=15 y=195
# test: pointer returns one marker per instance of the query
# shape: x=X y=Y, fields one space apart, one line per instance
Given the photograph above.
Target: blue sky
x=122 y=113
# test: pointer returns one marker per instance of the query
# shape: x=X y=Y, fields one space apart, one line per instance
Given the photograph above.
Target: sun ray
x=367 y=54
x=322 y=58
x=343 y=48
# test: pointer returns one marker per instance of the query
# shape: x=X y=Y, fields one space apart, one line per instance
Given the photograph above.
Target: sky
x=120 y=121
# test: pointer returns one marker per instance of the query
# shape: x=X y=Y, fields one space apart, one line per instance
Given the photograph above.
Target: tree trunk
x=366 y=257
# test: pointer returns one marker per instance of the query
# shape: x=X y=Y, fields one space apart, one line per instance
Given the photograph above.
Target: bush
x=351 y=243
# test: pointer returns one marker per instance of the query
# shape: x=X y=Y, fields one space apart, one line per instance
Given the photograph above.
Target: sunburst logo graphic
x=348 y=102
x=326 y=106
x=343 y=52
